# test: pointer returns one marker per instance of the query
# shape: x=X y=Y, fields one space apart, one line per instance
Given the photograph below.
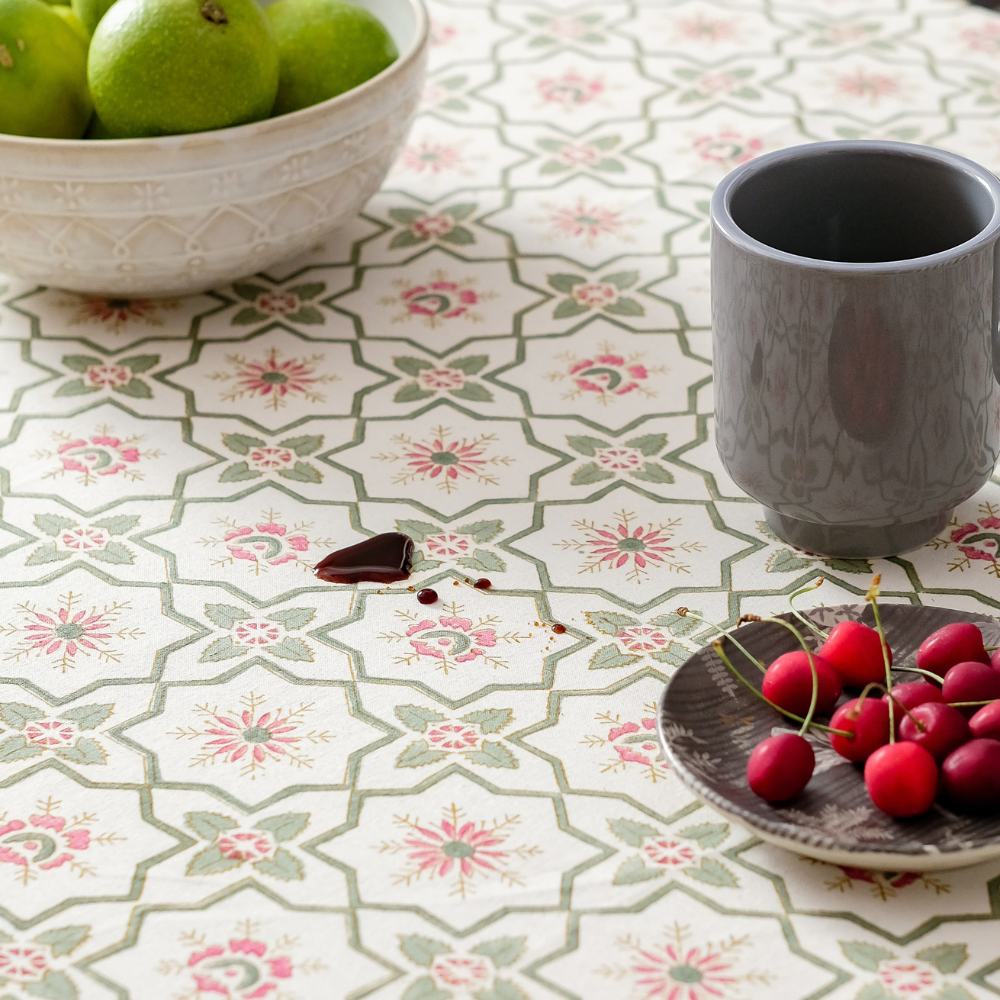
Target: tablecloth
x=220 y=777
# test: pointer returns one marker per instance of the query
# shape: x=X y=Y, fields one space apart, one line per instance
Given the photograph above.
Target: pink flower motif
x=595 y=294
x=982 y=38
x=266 y=459
x=461 y=971
x=22 y=963
x=583 y=155
x=59 y=632
x=982 y=539
x=99 y=456
x=36 y=848
x=448 y=545
x=50 y=733
x=246 y=845
x=455 y=639
x=462 y=846
x=248 y=947
x=619 y=459
x=452 y=736
x=870 y=86
x=449 y=459
x=275 y=378
x=213 y=951
x=248 y=735
x=107 y=376
x=77 y=840
x=901 y=977
x=278 y=303
x=83 y=539
x=718 y=83
x=669 y=853
x=570 y=90
x=607 y=375
x=429 y=157
x=441 y=34
x=676 y=973
x=116 y=313
x=442 y=379
x=703 y=29
x=430 y=227
x=440 y=299
x=264 y=544
x=281 y=968
x=587 y=222
x=240 y=973
x=640 y=639
x=630 y=745
x=727 y=148
x=619 y=546
x=256 y=632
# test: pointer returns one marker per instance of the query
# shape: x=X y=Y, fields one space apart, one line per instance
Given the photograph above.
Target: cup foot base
x=858 y=541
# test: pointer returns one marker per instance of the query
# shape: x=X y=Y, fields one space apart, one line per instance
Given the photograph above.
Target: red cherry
x=971 y=681
x=970 y=775
x=870 y=727
x=788 y=682
x=955 y=643
x=995 y=659
x=780 y=767
x=910 y=694
x=944 y=730
x=986 y=722
x=855 y=652
x=901 y=779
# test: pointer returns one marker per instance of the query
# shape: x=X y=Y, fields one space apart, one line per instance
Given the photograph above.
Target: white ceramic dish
x=179 y=214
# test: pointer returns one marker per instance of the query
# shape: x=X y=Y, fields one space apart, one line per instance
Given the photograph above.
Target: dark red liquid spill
x=558 y=629
x=381 y=559
x=482 y=584
x=427 y=596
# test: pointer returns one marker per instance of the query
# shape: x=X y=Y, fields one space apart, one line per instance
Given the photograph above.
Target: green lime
x=73 y=21
x=165 y=67
x=326 y=47
x=97 y=129
x=43 y=73
x=90 y=12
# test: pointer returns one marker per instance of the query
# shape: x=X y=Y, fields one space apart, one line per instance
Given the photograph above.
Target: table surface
x=221 y=779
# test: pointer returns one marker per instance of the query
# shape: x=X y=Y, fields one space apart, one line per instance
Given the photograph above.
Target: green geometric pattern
x=220 y=778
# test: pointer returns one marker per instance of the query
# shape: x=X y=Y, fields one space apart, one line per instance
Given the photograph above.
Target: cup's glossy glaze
x=855 y=295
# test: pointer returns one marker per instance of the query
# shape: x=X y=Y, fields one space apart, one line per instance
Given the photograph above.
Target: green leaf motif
x=291 y=648
x=85 y=751
x=590 y=473
x=305 y=444
x=308 y=315
x=53 y=524
x=286 y=826
x=209 y=825
x=422 y=950
x=502 y=952
x=551 y=145
x=410 y=392
x=135 y=389
x=115 y=553
x=634 y=870
x=631 y=832
x=864 y=955
x=553 y=167
x=480 y=531
x=293 y=618
x=17 y=715
x=419 y=563
x=621 y=279
x=611 y=658
x=604 y=144
x=222 y=649
x=63 y=940
x=239 y=473
x=226 y=615
x=140 y=363
x=612 y=166
x=284 y=866
x=80 y=362
x=875 y=991
x=15 y=748
x=585 y=445
x=483 y=561
x=307 y=291
x=405 y=216
x=786 y=561
x=490 y=720
x=417 y=530
x=250 y=292
x=471 y=365
x=46 y=554
x=708 y=835
x=565 y=283
x=464 y=209
x=242 y=443
x=502 y=989
x=459 y=237
x=416 y=718
x=302 y=472
x=473 y=392
x=248 y=316
x=492 y=755
x=121 y=524
x=211 y=862
x=75 y=387
x=648 y=444
x=88 y=716
x=953 y=991
x=674 y=653
x=419 y=754
x=425 y=989
x=946 y=958
x=53 y=986
x=412 y=366
x=610 y=622
x=678 y=624
x=858 y=566
x=714 y=872
x=569 y=308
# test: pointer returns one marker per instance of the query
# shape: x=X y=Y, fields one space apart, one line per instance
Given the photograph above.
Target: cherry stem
x=812 y=666
x=872 y=598
x=863 y=695
x=801 y=617
x=717 y=646
x=969 y=704
x=686 y=613
x=917 y=670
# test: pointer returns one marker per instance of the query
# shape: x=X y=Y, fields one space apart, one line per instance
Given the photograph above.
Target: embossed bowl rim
x=211 y=149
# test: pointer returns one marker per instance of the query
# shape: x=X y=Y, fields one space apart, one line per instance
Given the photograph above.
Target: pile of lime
x=123 y=69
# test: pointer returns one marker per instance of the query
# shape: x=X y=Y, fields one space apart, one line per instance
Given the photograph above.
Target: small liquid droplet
x=427 y=596
x=558 y=629
x=482 y=584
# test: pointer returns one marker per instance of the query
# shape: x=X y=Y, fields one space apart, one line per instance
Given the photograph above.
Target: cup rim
x=250 y=130
x=722 y=218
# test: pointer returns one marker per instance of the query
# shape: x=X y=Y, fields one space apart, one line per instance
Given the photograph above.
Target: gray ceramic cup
x=855 y=303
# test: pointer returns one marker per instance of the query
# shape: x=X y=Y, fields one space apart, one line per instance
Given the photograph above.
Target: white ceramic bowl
x=179 y=214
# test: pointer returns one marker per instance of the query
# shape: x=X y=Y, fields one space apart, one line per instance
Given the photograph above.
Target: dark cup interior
x=861 y=207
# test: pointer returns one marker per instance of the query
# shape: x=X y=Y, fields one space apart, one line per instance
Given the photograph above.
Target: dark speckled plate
x=709 y=723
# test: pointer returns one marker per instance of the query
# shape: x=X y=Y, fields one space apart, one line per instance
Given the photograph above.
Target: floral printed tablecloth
x=220 y=778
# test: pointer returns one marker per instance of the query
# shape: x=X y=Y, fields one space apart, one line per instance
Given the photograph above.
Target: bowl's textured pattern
x=180 y=214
